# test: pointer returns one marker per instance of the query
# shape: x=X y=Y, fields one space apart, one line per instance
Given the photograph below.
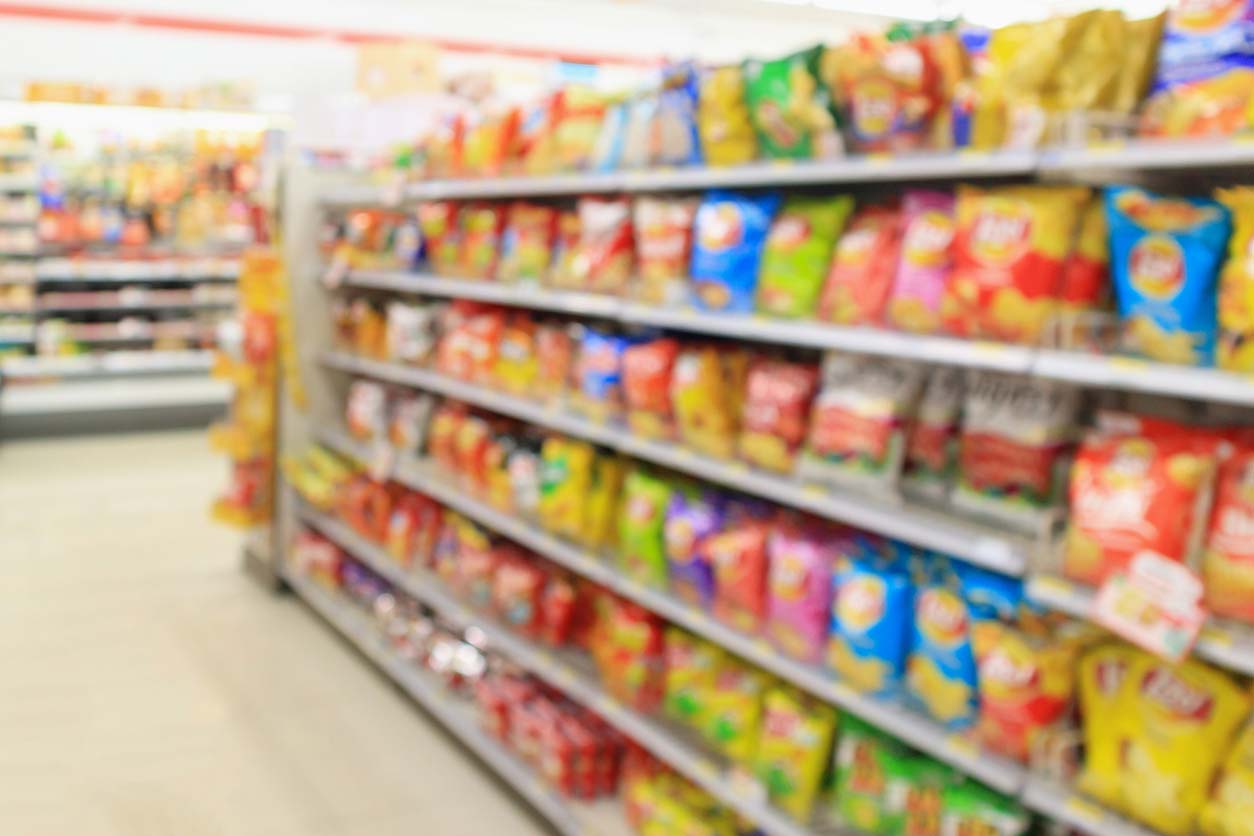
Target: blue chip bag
x=1202 y=30
x=1165 y=255
x=941 y=674
x=729 y=236
x=872 y=614
x=675 y=125
x=989 y=594
x=599 y=373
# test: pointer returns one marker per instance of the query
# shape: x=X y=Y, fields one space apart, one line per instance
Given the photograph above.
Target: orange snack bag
x=1228 y=558
x=1086 y=276
x=1009 y=250
x=861 y=275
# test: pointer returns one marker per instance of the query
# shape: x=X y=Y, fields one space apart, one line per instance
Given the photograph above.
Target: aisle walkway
x=147 y=688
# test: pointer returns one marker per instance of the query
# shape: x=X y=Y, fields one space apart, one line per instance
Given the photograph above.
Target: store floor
x=148 y=688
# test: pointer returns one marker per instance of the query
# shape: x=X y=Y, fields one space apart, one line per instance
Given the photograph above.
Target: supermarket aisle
x=150 y=689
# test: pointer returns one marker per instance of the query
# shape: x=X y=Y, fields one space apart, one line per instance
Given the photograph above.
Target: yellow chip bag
x=1230 y=809
x=1236 y=284
x=727 y=136
x=1102 y=673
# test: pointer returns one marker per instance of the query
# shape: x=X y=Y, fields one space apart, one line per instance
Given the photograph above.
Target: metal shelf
x=104 y=395
x=1227 y=645
x=1148 y=155
x=972 y=541
x=113 y=364
x=1065 y=806
x=562 y=672
x=571 y=818
x=910 y=727
x=516 y=295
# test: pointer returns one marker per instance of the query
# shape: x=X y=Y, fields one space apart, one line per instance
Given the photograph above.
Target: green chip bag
x=793 y=748
x=797 y=253
x=791 y=108
x=642 y=552
x=691 y=667
x=973 y=808
x=915 y=787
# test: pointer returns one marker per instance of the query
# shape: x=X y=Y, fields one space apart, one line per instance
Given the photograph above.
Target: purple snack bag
x=799 y=590
x=927 y=219
x=690 y=518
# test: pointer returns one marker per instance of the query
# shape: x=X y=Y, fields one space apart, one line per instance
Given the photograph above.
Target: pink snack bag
x=926 y=257
x=799 y=589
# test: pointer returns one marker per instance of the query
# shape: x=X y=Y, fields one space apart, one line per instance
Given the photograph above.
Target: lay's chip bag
x=729 y=235
x=872 y=614
x=1230 y=809
x=862 y=767
x=1228 y=556
x=1102 y=672
x=971 y=808
x=1165 y=255
x=1236 y=285
x=941 y=671
x=797 y=253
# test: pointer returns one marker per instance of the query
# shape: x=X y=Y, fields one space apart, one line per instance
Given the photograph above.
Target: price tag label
x=337 y=271
x=1156 y=604
x=382 y=460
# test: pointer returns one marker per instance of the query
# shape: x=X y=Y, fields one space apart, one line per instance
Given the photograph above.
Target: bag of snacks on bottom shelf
x=663 y=249
x=1100 y=680
x=969 y=807
x=1235 y=350
x=1086 y=275
x=858 y=423
x=872 y=618
x=924 y=262
x=1014 y=436
x=734 y=710
x=793 y=749
x=527 y=243
x=860 y=278
x=729 y=235
x=725 y=129
x=565 y=481
x=692 y=516
x=1229 y=811
x=647 y=370
x=706 y=386
x=799 y=589
x=798 y=251
x=641 y=547
x=791 y=108
x=691 y=667
x=1228 y=554
x=932 y=440
x=864 y=759
x=776 y=409
x=1165 y=255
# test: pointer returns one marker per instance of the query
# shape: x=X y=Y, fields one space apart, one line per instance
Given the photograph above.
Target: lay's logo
x=942 y=617
x=1201 y=16
x=721 y=226
x=789 y=232
x=1156 y=266
x=874 y=107
x=1000 y=231
x=1178 y=697
x=860 y=603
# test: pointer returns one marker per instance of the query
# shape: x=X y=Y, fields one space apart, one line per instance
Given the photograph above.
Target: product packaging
x=692 y=516
x=872 y=618
x=793 y=749
x=791 y=108
x=926 y=259
x=775 y=412
x=647 y=370
x=798 y=251
x=1228 y=558
x=1235 y=349
x=663 y=249
x=726 y=131
x=799 y=589
x=933 y=438
x=860 y=279
x=729 y=236
x=603 y=259
x=641 y=546
x=527 y=243
x=738 y=555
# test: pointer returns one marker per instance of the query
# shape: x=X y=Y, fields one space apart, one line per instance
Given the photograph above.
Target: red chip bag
x=555 y=355
x=647 y=371
x=776 y=412
x=663 y=248
x=603 y=260
x=1228 y=559
x=738 y=555
x=861 y=276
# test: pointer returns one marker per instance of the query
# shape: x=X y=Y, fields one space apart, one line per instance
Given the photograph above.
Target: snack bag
x=790 y=108
x=625 y=135
x=916 y=786
x=647 y=369
x=601 y=504
x=516 y=367
x=773 y=418
x=366 y=412
x=726 y=132
x=932 y=441
x=691 y=517
x=562 y=270
x=1165 y=254
x=734 y=710
x=691 y=667
x=796 y=736
x=675 y=137
x=1235 y=350
x=926 y=258
x=603 y=257
x=578 y=115
x=858 y=423
x=799 y=590
x=598 y=389
x=441 y=234
x=1010 y=246
x=861 y=275
x=728 y=238
x=630 y=654
x=1139 y=490
x=738 y=555
x=1102 y=673
x=663 y=248
x=1086 y=275
x=565 y=480
x=555 y=354
x=1184 y=715
x=527 y=243
x=481 y=225
x=705 y=395
x=970 y=807
x=798 y=249
x=1228 y=557
x=488 y=140
x=1230 y=809
x=863 y=762
x=1014 y=433
x=941 y=671
x=641 y=550
x=872 y=618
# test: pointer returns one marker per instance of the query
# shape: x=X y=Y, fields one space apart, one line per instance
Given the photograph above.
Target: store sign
x=394 y=69
x=1156 y=604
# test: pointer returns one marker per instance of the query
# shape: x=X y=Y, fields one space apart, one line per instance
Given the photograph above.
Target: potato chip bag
x=1102 y=673
x=726 y=131
x=565 y=480
x=441 y=234
x=728 y=238
x=925 y=261
x=481 y=227
x=858 y=422
x=706 y=383
x=1228 y=555
x=603 y=261
x=1230 y=809
x=527 y=243
x=941 y=670
x=663 y=248
x=1165 y=254
x=675 y=138
x=1010 y=246
x=516 y=367
x=1235 y=350
x=872 y=619
x=555 y=355
x=866 y=768
x=970 y=808
x=1086 y=275
x=734 y=710
x=793 y=749
x=1183 y=716
x=775 y=412
x=1142 y=490
x=790 y=108
x=601 y=503
x=691 y=666
x=932 y=441
x=738 y=555
x=641 y=550
x=647 y=369
x=861 y=275
x=798 y=249
x=562 y=271
x=692 y=517
x=799 y=589
x=577 y=121
x=598 y=374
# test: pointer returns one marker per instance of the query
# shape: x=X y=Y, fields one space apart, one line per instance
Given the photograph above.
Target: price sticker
x=382 y=460
x=1156 y=604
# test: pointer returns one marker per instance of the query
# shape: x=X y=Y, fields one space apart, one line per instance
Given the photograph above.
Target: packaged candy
x=601 y=503
x=555 y=355
x=796 y=735
x=941 y=672
x=516 y=361
x=641 y=551
x=527 y=242
x=799 y=590
x=562 y=270
x=441 y=234
x=1142 y=489
x=932 y=442
x=647 y=369
x=691 y=517
x=734 y=710
x=871 y=622
x=705 y=395
x=1010 y=245
x=691 y=667
x=790 y=108
x=1086 y=275
x=482 y=225
x=970 y=807
x=565 y=481
x=1165 y=254
x=774 y=415
x=675 y=137
x=663 y=248
x=1228 y=558
x=1102 y=672
x=798 y=250
x=1229 y=811
x=1014 y=434
x=861 y=276
x=858 y=423
x=598 y=389
x=724 y=126
x=603 y=257
x=728 y=238
x=926 y=258
x=738 y=555
x=1235 y=350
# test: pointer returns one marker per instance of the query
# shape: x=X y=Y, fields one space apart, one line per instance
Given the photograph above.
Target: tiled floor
x=148 y=688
